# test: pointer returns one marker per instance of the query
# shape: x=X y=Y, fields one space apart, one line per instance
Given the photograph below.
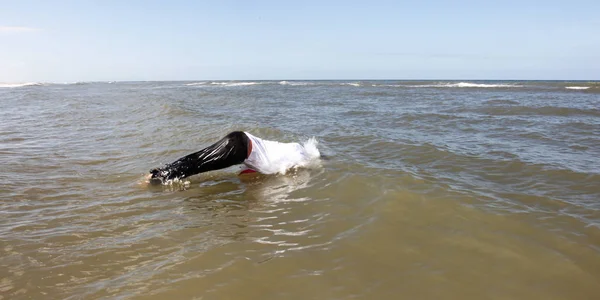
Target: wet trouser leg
x=230 y=150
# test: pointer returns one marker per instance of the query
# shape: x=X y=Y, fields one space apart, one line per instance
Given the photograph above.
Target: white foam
x=392 y=85
x=243 y=83
x=71 y=83
x=352 y=83
x=483 y=85
x=465 y=85
x=314 y=155
x=14 y=85
x=196 y=83
x=293 y=83
x=577 y=87
x=234 y=83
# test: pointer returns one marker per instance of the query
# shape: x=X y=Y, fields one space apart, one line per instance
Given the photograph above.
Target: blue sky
x=58 y=41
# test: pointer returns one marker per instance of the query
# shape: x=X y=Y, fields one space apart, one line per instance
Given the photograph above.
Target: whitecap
x=229 y=83
x=196 y=83
x=14 y=85
x=293 y=83
x=577 y=87
x=466 y=85
x=242 y=83
x=483 y=85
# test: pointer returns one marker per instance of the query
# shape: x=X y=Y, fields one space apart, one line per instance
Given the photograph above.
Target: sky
x=67 y=41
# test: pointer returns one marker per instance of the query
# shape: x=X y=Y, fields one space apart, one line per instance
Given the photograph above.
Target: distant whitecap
x=465 y=85
x=14 y=85
x=231 y=84
x=196 y=83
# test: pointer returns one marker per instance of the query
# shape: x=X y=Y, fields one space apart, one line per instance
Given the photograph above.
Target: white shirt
x=270 y=157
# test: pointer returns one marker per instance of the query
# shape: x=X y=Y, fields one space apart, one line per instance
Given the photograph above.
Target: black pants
x=230 y=150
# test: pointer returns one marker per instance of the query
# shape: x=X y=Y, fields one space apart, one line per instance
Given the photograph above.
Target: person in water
x=258 y=155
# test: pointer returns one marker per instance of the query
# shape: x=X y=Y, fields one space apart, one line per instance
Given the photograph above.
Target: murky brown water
x=480 y=190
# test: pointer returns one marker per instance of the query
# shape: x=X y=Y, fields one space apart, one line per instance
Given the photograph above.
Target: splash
x=310 y=146
x=175 y=183
x=311 y=156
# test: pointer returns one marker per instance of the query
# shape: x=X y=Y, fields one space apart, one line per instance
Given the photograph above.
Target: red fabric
x=247 y=171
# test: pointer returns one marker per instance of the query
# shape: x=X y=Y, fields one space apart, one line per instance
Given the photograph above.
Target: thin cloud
x=17 y=29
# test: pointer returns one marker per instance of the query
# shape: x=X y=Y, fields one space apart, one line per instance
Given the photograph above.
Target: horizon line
x=363 y=79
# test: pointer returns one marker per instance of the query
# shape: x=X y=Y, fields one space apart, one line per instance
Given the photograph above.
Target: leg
x=230 y=150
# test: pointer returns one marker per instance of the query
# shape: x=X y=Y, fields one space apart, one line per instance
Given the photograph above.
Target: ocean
x=429 y=190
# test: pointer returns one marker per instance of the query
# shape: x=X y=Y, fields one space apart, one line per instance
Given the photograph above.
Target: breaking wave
x=294 y=83
x=229 y=83
x=466 y=85
x=196 y=83
x=15 y=85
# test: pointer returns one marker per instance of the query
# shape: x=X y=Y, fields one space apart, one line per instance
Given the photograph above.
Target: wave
x=319 y=83
x=387 y=85
x=577 y=87
x=450 y=85
x=466 y=85
x=15 y=85
x=196 y=83
x=229 y=83
x=80 y=83
x=293 y=83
